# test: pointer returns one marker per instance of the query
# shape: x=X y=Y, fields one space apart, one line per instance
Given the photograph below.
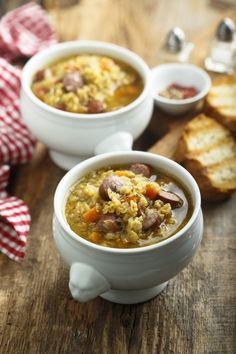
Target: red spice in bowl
x=179 y=92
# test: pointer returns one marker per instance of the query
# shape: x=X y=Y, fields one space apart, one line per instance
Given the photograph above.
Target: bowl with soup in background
x=76 y=95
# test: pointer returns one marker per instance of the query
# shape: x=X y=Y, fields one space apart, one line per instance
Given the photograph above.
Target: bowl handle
x=86 y=283
x=120 y=141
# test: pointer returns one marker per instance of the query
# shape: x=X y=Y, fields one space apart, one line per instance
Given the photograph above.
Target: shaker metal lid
x=175 y=40
x=225 y=30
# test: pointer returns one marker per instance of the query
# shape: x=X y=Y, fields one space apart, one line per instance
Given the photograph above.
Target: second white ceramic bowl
x=72 y=137
x=182 y=74
x=125 y=275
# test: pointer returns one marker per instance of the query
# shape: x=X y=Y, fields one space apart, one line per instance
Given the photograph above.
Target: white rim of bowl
x=89 y=162
x=193 y=99
x=85 y=116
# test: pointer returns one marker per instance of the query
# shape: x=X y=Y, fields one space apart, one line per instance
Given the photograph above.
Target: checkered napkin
x=23 y=32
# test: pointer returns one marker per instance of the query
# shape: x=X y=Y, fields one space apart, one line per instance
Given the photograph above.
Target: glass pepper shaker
x=222 y=51
x=175 y=48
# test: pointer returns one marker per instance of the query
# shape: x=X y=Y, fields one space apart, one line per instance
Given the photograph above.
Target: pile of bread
x=207 y=147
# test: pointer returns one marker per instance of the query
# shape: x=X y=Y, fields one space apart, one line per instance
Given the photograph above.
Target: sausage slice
x=43 y=74
x=142 y=169
x=61 y=105
x=108 y=223
x=112 y=182
x=172 y=198
x=151 y=218
x=72 y=81
x=95 y=106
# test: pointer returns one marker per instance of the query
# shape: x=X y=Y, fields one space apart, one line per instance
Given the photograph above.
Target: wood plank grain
x=196 y=313
x=167 y=145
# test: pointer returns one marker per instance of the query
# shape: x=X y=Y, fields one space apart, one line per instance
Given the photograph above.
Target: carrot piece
x=132 y=90
x=132 y=197
x=106 y=64
x=95 y=237
x=121 y=173
x=151 y=191
x=129 y=90
x=121 y=91
x=91 y=215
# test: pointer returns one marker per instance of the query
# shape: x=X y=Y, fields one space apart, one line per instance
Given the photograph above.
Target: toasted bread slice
x=208 y=151
x=221 y=101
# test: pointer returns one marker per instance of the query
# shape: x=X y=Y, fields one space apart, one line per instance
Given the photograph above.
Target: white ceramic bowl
x=72 y=137
x=124 y=275
x=183 y=74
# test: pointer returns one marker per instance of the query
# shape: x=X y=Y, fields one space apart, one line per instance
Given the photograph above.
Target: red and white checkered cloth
x=23 y=32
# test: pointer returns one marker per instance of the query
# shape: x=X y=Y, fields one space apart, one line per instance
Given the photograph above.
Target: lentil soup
x=87 y=83
x=127 y=206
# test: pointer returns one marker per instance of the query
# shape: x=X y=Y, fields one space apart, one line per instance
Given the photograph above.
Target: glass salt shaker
x=222 y=51
x=176 y=49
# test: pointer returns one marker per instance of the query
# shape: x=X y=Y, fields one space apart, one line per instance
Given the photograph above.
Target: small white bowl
x=182 y=74
x=72 y=137
x=125 y=275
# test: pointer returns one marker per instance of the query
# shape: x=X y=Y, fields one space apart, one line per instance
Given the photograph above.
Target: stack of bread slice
x=221 y=101
x=208 y=151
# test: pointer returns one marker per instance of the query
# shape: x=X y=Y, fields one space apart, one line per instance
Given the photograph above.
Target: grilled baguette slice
x=208 y=151
x=221 y=101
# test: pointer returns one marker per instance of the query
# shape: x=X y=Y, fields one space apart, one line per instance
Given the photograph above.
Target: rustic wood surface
x=196 y=313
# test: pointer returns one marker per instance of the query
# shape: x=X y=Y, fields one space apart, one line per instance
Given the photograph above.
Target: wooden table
x=196 y=313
